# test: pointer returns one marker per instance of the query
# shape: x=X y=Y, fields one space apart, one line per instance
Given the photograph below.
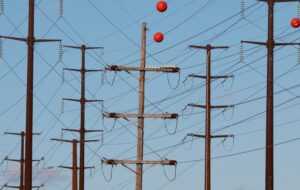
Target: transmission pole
x=30 y=40
x=82 y=102
x=21 y=160
x=74 y=167
x=141 y=116
x=208 y=107
x=270 y=45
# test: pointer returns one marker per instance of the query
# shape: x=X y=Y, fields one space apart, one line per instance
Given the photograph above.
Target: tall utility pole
x=141 y=116
x=30 y=40
x=208 y=107
x=21 y=160
x=82 y=102
x=270 y=45
x=74 y=167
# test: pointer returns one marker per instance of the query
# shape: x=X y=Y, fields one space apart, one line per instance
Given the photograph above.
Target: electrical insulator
x=1 y=7
x=63 y=77
x=243 y=8
x=61 y=8
x=299 y=10
x=60 y=52
x=1 y=48
x=158 y=37
x=242 y=53
x=298 y=54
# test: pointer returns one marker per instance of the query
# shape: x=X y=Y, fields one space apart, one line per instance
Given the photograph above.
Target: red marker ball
x=295 y=22
x=161 y=6
x=158 y=37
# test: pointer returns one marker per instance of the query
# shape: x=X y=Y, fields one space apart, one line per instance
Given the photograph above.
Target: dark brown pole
x=74 y=173
x=208 y=117
x=82 y=121
x=270 y=101
x=22 y=161
x=29 y=98
x=140 y=143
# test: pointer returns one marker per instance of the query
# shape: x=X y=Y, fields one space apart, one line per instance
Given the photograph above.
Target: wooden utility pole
x=270 y=45
x=30 y=40
x=74 y=167
x=82 y=102
x=21 y=160
x=141 y=116
x=208 y=107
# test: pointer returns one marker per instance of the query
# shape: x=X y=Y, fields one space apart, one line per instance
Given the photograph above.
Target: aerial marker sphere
x=161 y=6
x=295 y=22
x=158 y=37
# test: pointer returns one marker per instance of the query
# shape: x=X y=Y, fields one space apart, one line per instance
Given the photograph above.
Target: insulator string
x=1 y=7
x=241 y=53
x=1 y=49
x=61 y=8
x=243 y=8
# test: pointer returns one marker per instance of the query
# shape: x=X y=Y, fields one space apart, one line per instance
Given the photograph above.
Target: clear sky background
x=116 y=25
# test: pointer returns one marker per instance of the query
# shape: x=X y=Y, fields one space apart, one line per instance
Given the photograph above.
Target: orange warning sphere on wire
x=158 y=37
x=161 y=6
x=295 y=22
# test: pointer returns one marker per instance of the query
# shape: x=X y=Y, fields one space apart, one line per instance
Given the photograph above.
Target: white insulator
x=60 y=52
x=1 y=49
x=298 y=54
x=243 y=8
x=1 y=7
x=242 y=53
x=61 y=8
x=299 y=10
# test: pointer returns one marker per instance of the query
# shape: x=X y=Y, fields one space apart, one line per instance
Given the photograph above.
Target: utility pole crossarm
x=162 y=68
x=82 y=47
x=212 y=77
x=159 y=162
x=212 y=107
x=121 y=115
x=79 y=100
x=211 y=136
x=212 y=47
x=28 y=39
x=86 y=131
x=274 y=43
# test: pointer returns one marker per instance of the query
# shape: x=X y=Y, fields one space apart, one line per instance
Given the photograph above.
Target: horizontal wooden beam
x=159 y=162
x=166 y=69
x=120 y=115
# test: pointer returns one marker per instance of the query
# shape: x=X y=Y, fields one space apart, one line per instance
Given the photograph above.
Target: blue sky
x=116 y=26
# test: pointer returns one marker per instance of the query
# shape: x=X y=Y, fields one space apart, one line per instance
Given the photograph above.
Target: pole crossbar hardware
x=82 y=102
x=273 y=43
x=121 y=115
x=30 y=40
x=212 y=107
x=270 y=45
x=211 y=136
x=151 y=162
x=17 y=187
x=139 y=162
x=21 y=160
x=162 y=68
x=212 y=77
x=207 y=136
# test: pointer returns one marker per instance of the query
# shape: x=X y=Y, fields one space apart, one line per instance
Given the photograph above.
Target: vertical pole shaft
x=22 y=161
x=208 y=120
x=270 y=102
x=140 y=133
x=82 y=121
x=74 y=173
x=29 y=97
